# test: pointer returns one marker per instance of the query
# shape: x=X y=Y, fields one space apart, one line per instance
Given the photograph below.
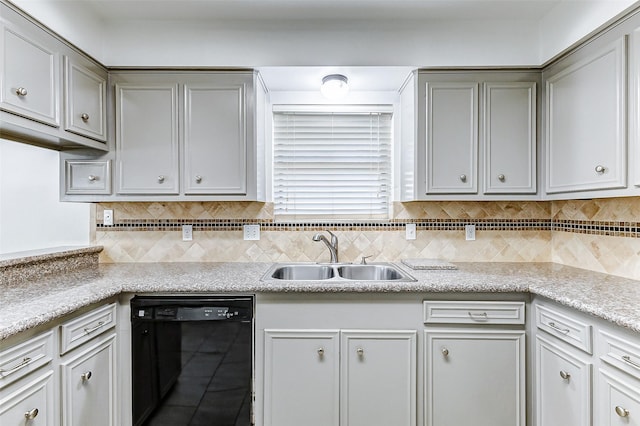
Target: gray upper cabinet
x=85 y=95
x=44 y=101
x=586 y=121
x=147 y=138
x=215 y=142
x=510 y=137
x=31 y=75
x=451 y=137
x=187 y=135
x=473 y=136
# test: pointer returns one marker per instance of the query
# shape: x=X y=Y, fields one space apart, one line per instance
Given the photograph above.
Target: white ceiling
x=316 y=9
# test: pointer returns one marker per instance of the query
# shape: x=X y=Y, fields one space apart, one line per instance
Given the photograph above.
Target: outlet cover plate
x=187 y=232
x=470 y=232
x=251 y=232
x=410 y=231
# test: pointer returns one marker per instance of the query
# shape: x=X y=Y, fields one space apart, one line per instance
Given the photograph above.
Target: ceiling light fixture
x=334 y=86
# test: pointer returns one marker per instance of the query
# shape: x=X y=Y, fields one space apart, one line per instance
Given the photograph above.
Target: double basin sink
x=336 y=272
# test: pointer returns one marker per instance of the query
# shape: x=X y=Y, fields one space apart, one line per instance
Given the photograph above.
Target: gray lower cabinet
x=89 y=384
x=563 y=385
x=475 y=377
x=340 y=377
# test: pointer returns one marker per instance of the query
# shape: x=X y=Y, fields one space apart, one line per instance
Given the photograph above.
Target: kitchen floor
x=216 y=367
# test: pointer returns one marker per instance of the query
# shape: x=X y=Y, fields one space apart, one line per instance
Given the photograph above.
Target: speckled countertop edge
x=38 y=302
x=33 y=256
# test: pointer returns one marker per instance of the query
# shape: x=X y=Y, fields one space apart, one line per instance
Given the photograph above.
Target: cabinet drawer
x=87 y=177
x=619 y=401
x=82 y=329
x=620 y=353
x=473 y=312
x=20 y=360
x=571 y=330
x=30 y=403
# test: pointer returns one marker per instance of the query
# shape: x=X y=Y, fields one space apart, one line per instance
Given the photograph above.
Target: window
x=332 y=165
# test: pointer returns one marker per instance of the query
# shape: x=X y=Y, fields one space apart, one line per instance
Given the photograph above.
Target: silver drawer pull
x=84 y=116
x=21 y=91
x=92 y=329
x=360 y=352
x=481 y=316
x=463 y=178
x=198 y=179
x=622 y=412
x=600 y=169
x=445 y=352
x=561 y=330
x=564 y=375
x=86 y=376
x=25 y=361
x=628 y=360
x=161 y=179
x=31 y=414
x=91 y=178
x=501 y=178
x=321 y=351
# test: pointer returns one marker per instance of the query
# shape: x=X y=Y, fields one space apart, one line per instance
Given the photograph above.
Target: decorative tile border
x=606 y=228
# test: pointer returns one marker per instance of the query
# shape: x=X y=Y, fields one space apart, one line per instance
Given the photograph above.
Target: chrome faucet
x=332 y=246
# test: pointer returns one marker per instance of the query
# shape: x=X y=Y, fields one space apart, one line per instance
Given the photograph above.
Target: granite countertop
x=36 y=302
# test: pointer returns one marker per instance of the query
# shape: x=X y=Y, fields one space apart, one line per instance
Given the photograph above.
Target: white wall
x=31 y=217
x=570 y=21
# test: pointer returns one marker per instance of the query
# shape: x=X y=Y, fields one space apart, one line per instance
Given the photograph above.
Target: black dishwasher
x=192 y=360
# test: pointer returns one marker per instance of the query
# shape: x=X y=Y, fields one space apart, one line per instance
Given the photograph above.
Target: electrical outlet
x=410 y=231
x=187 y=232
x=107 y=218
x=470 y=232
x=251 y=232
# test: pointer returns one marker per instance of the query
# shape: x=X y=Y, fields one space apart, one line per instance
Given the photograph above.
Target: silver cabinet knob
x=84 y=116
x=91 y=178
x=21 y=91
x=31 y=414
x=445 y=351
x=564 y=375
x=161 y=179
x=622 y=412
x=198 y=179
x=463 y=178
x=360 y=351
x=321 y=351
x=86 y=376
x=600 y=169
x=501 y=178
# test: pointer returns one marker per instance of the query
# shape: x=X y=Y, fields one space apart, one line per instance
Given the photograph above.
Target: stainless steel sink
x=336 y=272
x=303 y=272
x=370 y=272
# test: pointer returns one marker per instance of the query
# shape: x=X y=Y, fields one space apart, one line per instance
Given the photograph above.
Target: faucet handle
x=364 y=259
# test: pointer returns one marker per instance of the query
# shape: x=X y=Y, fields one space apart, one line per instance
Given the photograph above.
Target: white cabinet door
x=85 y=100
x=301 y=383
x=378 y=373
x=30 y=83
x=452 y=137
x=147 y=139
x=510 y=138
x=215 y=142
x=586 y=124
x=563 y=387
x=475 y=377
x=619 y=400
x=30 y=402
x=89 y=385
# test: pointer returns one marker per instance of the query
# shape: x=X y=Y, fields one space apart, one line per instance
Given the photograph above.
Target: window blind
x=332 y=165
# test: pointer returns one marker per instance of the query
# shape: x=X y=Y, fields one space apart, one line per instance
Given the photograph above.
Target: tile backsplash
x=599 y=234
